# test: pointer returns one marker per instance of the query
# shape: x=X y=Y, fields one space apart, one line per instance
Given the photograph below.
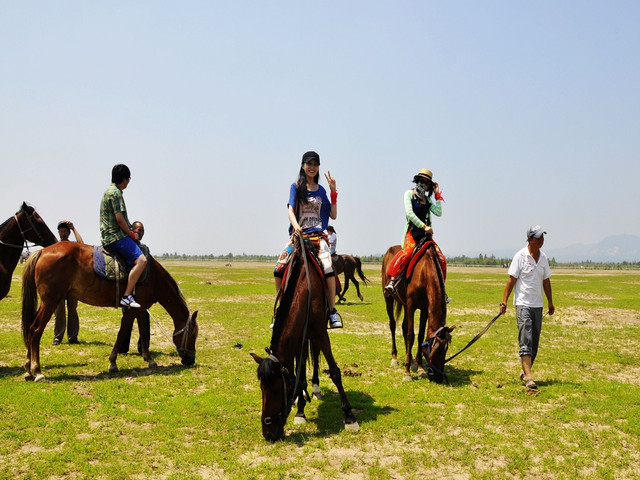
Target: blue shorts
x=128 y=249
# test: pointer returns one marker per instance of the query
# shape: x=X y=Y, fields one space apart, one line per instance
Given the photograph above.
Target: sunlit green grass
x=204 y=422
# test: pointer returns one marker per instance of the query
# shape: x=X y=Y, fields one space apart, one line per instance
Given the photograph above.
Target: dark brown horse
x=67 y=267
x=349 y=265
x=25 y=226
x=424 y=292
x=301 y=317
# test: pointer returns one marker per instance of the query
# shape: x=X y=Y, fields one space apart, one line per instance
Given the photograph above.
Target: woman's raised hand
x=331 y=181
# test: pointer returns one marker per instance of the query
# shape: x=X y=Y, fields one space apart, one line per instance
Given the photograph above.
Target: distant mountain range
x=614 y=249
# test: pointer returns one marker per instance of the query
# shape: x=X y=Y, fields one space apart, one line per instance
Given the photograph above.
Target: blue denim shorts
x=128 y=249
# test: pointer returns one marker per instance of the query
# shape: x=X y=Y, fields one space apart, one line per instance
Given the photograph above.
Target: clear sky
x=526 y=112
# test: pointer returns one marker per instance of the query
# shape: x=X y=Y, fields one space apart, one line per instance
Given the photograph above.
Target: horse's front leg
x=300 y=417
x=409 y=338
x=424 y=319
x=392 y=328
x=350 y=421
x=144 y=330
x=315 y=379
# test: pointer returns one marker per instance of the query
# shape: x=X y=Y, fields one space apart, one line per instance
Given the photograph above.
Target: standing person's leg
x=73 y=322
x=60 y=325
x=536 y=330
x=525 y=340
x=124 y=345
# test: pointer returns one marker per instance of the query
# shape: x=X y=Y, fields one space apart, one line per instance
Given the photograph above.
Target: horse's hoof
x=113 y=368
x=315 y=392
x=153 y=364
x=39 y=378
x=299 y=420
x=352 y=427
x=28 y=377
x=394 y=362
x=406 y=377
x=414 y=366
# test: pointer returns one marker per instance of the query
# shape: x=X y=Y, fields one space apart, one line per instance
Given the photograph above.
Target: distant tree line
x=481 y=260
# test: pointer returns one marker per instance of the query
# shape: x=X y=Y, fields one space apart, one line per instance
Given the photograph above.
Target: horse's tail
x=364 y=279
x=29 y=295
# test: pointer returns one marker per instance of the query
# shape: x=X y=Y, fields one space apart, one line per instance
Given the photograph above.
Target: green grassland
x=203 y=422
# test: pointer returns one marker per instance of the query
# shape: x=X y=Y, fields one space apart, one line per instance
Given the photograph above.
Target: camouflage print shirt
x=112 y=203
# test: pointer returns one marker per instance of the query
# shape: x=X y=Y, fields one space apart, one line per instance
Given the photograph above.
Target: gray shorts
x=529 y=321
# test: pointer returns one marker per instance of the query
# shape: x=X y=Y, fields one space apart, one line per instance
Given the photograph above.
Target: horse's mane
x=436 y=264
x=25 y=207
x=169 y=279
x=285 y=301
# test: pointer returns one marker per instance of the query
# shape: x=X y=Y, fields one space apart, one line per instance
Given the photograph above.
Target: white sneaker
x=334 y=319
x=129 y=302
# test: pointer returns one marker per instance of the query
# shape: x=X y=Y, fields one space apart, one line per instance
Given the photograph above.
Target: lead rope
x=474 y=339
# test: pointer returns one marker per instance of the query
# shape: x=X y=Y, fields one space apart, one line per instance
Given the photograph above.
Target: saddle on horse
x=111 y=266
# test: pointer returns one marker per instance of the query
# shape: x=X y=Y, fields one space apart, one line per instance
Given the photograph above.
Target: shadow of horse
x=121 y=373
x=329 y=419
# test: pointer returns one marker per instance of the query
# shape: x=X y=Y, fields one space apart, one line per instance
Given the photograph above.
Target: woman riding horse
x=299 y=319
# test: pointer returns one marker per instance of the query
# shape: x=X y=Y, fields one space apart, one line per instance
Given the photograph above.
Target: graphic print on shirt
x=310 y=214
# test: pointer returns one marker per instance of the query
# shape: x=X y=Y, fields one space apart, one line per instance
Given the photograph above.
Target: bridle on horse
x=286 y=380
x=182 y=349
x=24 y=237
x=433 y=343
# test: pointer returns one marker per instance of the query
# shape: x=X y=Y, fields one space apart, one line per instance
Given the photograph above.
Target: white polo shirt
x=529 y=274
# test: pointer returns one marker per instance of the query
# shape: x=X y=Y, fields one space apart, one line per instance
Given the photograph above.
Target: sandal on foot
x=531 y=384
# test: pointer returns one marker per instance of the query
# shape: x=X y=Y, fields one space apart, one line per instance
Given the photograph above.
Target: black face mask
x=421 y=190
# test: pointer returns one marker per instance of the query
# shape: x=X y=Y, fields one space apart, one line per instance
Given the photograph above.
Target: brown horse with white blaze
x=301 y=317
x=23 y=227
x=67 y=268
x=424 y=291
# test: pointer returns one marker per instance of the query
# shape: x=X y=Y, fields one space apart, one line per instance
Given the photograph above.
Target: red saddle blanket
x=417 y=255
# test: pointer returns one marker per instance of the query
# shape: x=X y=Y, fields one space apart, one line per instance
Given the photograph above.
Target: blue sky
x=526 y=112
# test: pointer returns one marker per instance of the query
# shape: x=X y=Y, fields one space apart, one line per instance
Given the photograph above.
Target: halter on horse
x=15 y=234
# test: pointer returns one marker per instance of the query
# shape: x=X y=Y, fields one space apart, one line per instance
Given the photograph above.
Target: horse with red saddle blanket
x=420 y=287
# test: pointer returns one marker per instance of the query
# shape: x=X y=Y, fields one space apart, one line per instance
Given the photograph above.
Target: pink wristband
x=334 y=198
x=132 y=235
x=439 y=196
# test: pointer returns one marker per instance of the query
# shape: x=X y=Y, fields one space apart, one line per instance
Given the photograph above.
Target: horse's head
x=434 y=350
x=276 y=385
x=33 y=228
x=185 y=340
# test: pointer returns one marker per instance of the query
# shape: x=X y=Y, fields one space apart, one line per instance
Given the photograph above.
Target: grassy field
x=203 y=422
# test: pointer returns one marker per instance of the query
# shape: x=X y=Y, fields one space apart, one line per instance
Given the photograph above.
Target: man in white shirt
x=530 y=274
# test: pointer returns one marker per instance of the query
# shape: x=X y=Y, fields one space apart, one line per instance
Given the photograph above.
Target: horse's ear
x=451 y=329
x=257 y=358
x=194 y=315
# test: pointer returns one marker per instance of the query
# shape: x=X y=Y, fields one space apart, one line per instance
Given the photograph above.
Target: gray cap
x=535 y=231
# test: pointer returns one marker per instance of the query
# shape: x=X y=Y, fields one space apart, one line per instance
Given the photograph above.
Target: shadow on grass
x=11 y=371
x=460 y=376
x=143 y=371
x=330 y=417
x=354 y=303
